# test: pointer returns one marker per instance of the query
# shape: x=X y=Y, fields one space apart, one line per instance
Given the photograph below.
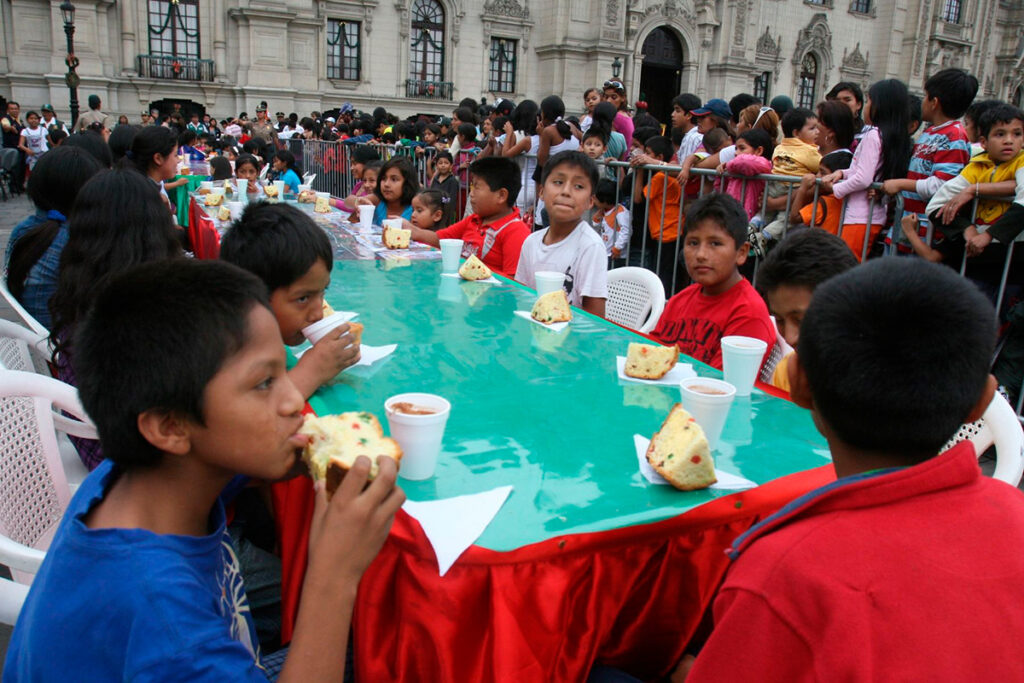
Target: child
x=284 y=165
x=555 y=134
x=788 y=277
x=154 y=153
x=447 y=184
x=595 y=145
x=247 y=167
x=568 y=245
x=753 y=157
x=591 y=97
x=186 y=147
x=396 y=186
x=971 y=118
x=141 y=568
x=809 y=586
x=997 y=172
x=611 y=220
x=284 y=247
x=683 y=107
x=521 y=143
x=720 y=302
x=663 y=196
x=882 y=153
x=797 y=155
x=941 y=151
x=220 y=169
x=32 y=142
x=360 y=157
x=826 y=213
x=428 y=210
x=495 y=232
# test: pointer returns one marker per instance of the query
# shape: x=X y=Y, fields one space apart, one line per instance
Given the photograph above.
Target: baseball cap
x=330 y=119
x=717 y=106
x=47 y=107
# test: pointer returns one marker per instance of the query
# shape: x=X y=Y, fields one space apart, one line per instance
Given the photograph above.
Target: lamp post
x=616 y=67
x=67 y=12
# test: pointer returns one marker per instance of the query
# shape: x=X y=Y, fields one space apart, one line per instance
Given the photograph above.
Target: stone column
x=128 y=17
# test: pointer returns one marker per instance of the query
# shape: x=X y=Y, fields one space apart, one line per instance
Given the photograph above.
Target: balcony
x=431 y=90
x=175 y=68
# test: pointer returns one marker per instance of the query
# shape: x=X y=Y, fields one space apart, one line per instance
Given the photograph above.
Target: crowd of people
x=198 y=391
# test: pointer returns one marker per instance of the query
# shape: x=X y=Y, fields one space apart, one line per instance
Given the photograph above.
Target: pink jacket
x=748 y=165
x=867 y=160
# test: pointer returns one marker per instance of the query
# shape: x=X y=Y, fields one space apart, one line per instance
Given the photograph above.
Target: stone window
x=761 y=85
x=861 y=6
x=343 y=57
x=808 y=84
x=951 y=11
x=426 y=53
x=174 y=29
x=503 y=65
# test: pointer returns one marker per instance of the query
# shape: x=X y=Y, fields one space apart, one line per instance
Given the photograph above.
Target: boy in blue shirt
x=140 y=582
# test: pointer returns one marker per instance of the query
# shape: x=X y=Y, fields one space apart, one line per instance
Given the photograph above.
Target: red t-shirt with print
x=696 y=322
x=502 y=256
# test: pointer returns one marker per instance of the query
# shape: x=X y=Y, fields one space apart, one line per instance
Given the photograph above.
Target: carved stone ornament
x=611 y=13
x=768 y=46
x=815 y=37
x=507 y=8
x=855 y=61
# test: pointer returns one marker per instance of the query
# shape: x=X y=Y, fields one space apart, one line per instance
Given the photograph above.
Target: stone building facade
x=424 y=55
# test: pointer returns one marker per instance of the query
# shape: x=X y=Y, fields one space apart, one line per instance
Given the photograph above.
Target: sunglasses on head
x=615 y=84
x=763 y=111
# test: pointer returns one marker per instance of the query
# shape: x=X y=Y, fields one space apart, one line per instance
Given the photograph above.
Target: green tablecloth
x=180 y=195
x=540 y=410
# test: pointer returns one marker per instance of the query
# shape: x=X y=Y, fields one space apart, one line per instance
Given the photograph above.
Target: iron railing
x=175 y=68
x=431 y=90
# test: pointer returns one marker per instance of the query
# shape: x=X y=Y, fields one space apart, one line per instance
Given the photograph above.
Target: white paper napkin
x=454 y=524
x=557 y=327
x=726 y=481
x=487 y=280
x=672 y=378
x=368 y=355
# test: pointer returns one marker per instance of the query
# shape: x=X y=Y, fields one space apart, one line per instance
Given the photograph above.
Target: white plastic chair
x=22 y=349
x=997 y=426
x=636 y=298
x=25 y=316
x=34 y=490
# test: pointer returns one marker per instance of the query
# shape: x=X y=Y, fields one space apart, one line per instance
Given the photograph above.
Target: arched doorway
x=661 y=72
x=184 y=107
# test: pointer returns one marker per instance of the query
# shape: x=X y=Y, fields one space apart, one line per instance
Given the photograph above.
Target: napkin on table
x=726 y=481
x=487 y=280
x=672 y=378
x=557 y=327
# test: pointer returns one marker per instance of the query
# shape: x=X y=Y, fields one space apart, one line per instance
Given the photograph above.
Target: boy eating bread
x=140 y=581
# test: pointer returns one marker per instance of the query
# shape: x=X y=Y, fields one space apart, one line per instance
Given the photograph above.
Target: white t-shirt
x=691 y=141
x=581 y=256
x=35 y=140
x=616 y=234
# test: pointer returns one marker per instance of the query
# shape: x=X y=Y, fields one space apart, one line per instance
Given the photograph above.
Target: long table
x=586 y=561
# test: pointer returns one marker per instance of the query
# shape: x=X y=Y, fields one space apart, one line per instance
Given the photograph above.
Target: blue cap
x=716 y=106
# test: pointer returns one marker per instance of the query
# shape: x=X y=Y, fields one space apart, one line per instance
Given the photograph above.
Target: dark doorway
x=185 y=107
x=661 y=72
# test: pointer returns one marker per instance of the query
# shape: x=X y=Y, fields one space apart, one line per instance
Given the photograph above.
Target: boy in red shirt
x=720 y=302
x=495 y=233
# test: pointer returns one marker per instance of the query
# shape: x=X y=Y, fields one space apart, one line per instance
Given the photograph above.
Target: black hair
x=794 y=120
x=804 y=258
x=181 y=320
x=524 y=117
x=499 y=173
x=606 y=191
x=406 y=130
x=444 y=154
x=645 y=133
x=468 y=131
x=484 y=111
x=253 y=147
x=187 y=137
x=839 y=87
x=389 y=137
x=758 y=137
x=499 y=123
x=465 y=115
x=95 y=251
x=364 y=154
x=854 y=345
x=715 y=139
x=287 y=158
x=660 y=147
x=725 y=211
x=604 y=117
x=890 y=113
x=1000 y=113
x=94 y=144
x=596 y=132
x=468 y=103
x=838 y=118
x=913 y=113
x=57 y=135
x=978 y=109
x=645 y=120
x=839 y=160
x=433 y=128
x=954 y=88
x=276 y=242
x=150 y=141
x=244 y=159
x=55 y=182
x=740 y=102
x=432 y=198
x=575 y=159
x=220 y=169
x=410 y=184
x=120 y=140
x=676 y=134
x=687 y=102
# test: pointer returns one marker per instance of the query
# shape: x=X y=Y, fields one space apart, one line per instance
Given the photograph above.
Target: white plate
x=672 y=378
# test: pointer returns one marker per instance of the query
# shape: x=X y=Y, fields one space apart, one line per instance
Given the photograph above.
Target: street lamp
x=616 y=67
x=67 y=12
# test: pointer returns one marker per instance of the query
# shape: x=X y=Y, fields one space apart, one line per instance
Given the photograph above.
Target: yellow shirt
x=795 y=157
